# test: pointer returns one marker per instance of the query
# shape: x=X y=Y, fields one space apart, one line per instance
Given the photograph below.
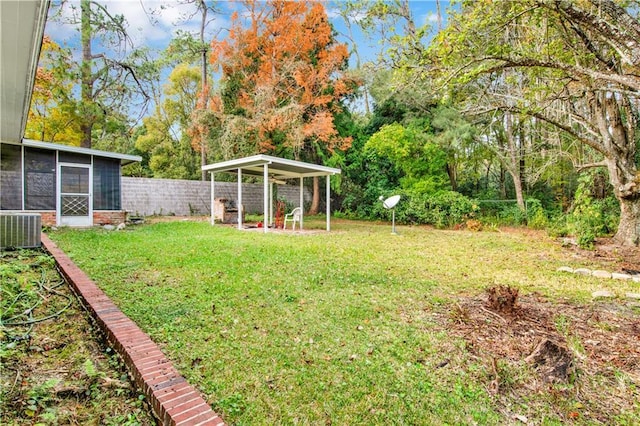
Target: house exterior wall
x=106 y=217
x=28 y=182
x=138 y=196
x=147 y=197
x=109 y=217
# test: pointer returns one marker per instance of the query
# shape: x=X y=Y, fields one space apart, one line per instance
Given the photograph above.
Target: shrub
x=558 y=227
x=512 y=215
x=591 y=218
x=586 y=238
x=444 y=209
x=536 y=216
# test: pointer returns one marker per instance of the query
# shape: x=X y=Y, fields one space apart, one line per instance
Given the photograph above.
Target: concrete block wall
x=146 y=196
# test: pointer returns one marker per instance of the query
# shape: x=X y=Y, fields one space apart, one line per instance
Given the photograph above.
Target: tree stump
x=553 y=361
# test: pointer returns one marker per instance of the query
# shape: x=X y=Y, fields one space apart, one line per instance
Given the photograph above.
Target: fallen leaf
x=520 y=417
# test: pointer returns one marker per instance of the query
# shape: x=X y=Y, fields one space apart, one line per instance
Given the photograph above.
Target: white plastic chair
x=294 y=216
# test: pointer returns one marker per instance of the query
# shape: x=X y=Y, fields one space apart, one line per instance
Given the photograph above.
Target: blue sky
x=153 y=23
x=168 y=16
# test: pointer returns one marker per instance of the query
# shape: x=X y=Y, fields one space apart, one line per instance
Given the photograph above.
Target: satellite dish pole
x=390 y=203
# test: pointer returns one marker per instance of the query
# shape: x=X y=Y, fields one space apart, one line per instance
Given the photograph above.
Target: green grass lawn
x=347 y=327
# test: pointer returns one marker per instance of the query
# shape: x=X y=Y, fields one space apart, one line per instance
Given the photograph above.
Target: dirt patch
x=55 y=370
x=149 y=220
x=583 y=360
x=606 y=251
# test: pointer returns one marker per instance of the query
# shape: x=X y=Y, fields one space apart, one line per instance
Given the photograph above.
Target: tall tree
x=582 y=60
x=283 y=79
x=421 y=161
x=284 y=64
x=52 y=115
x=193 y=47
x=350 y=12
x=165 y=136
x=114 y=77
x=454 y=135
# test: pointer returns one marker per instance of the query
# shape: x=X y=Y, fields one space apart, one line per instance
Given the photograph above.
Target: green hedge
x=444 y=209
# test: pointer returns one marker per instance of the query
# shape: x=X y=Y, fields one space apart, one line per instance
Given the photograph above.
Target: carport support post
x=240 y=199
x=328 y=202
x=301 y=202
x=270 y=203
x=213 y=206
x=265 y=198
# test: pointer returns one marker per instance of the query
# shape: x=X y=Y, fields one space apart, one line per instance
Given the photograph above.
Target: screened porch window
x=10 y=177
x=40 y=179
x=106 y=184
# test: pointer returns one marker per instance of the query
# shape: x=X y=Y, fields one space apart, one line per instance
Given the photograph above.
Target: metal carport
x=271 y=169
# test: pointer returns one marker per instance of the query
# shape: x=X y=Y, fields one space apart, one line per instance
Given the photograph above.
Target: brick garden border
x=173 y=401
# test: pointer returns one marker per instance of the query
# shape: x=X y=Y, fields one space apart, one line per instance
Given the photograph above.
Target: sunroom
x=66 y=185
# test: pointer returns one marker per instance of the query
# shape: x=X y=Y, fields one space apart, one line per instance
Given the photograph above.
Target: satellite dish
x=390 y=203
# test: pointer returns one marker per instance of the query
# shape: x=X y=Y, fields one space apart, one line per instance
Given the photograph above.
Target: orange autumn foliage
x=282 y=70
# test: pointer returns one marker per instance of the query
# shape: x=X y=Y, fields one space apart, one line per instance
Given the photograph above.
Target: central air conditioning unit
x=20 y=230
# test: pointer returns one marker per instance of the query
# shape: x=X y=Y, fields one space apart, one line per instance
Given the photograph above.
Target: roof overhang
x=22 y=25
x=279 y=168
x=124 y=158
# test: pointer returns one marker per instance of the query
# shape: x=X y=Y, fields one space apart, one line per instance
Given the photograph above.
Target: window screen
x=106 y=184
x=72 y=157
x=40 y=179
x=10 y=177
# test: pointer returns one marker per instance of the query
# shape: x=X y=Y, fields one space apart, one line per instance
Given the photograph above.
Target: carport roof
x=279 y=168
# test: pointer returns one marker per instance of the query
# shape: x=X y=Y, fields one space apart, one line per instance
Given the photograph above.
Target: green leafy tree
x=52 y=115
x=365 y=175
x=456 y=137
x=422 y=163
x=581 y=61
x=192 y=48
x=165 y=137
x=114 y=81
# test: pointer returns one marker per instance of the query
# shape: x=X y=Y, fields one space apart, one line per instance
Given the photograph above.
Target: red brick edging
x=174 y=401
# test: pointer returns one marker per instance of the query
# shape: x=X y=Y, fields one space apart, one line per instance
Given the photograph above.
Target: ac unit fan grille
x=20 y=230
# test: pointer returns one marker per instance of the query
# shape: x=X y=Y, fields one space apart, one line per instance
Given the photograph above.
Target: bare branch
x=582 y=167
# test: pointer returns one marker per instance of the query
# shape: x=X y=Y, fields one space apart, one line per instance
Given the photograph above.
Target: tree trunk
x=522 y=165
x=517 y=184
x=617 y=125
x=503 y=182
x=627 y=193
x=86 y=85
x=451 y=171
x=515 y=166
x=205 y=95
x=629 y=227
x=315 y=202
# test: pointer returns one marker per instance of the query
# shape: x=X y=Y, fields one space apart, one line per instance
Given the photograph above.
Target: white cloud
x=151 y=23
x=430 y=18
x=355 y=16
